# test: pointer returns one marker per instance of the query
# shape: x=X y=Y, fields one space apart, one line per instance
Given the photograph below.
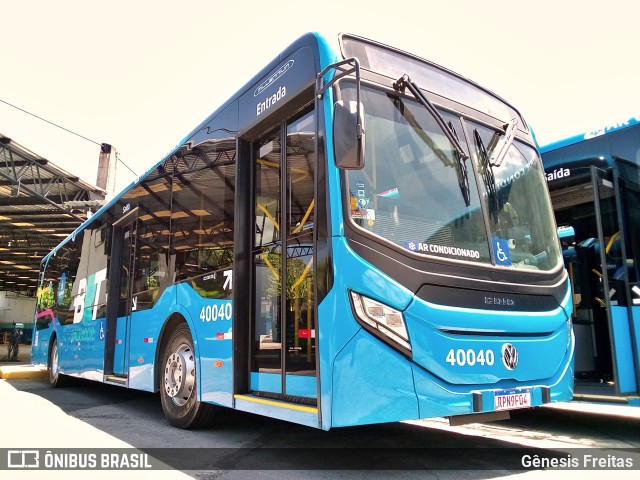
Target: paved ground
x=42 y=424
x=21 y=367
x=24 y=354
x=89 y=415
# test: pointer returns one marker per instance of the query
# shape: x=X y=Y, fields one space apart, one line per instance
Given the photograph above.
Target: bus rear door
x=119 y=312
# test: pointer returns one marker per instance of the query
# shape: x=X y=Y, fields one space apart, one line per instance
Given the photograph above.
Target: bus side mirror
x=348 y=135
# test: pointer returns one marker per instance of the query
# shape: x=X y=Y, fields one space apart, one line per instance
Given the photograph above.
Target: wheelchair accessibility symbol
x=501 y=251
x=502 y=257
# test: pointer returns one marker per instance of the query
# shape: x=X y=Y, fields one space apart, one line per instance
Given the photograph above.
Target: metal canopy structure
x=40 y=204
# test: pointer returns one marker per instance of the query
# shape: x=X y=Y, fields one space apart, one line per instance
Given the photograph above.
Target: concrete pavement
x=22 y=368
x=46 y=426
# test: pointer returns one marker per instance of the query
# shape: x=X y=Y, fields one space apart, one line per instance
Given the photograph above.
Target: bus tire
x=178 y=392
x=56 y=379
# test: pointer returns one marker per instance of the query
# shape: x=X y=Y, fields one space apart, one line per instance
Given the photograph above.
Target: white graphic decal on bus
x=89 y=290
x=216 y=312
x=271 y=101
x=441 y=249
x=228 y=281
x=470 y=357
x=558 y=174
x=269 y=81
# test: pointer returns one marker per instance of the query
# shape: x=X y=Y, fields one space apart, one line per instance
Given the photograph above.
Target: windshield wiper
x=486 y=172
x=405 y=81
x=509 y=134
x=448 y=130
x=463 y=177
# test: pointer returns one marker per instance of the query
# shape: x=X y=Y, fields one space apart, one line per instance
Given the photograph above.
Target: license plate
x=510 y=399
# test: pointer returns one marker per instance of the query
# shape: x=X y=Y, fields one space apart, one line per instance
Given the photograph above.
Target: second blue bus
x=594 y=181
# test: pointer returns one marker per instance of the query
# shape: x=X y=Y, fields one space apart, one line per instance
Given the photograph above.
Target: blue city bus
x=357 y=236
x=594 y=182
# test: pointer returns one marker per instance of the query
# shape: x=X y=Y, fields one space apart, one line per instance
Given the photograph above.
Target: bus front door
x=283 y=336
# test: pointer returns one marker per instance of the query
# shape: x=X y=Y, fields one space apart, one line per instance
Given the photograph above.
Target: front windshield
x=515 y=194
x=415 y=192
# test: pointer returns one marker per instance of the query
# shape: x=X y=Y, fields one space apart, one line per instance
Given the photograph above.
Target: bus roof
x=305 y=40
x=596 y=132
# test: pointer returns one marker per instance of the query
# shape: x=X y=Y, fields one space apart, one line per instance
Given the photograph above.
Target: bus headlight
x=383 y=319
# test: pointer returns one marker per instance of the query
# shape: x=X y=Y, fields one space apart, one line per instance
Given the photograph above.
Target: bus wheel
x=56 y=379
x=178 y=383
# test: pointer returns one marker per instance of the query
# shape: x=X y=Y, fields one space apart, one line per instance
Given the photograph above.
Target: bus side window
x=202 y=215
x=152 y=273
x=71 y=278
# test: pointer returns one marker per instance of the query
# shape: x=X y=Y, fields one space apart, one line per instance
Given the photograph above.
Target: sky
x=140 y=75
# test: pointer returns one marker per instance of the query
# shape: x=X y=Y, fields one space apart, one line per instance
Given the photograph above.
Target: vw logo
x=509 y=356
